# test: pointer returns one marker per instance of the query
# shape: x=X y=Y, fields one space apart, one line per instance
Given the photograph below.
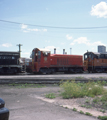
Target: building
x=101 y=48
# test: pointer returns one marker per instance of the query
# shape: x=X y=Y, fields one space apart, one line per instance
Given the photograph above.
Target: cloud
x=68 y=37
x=24 y=26
x=84 y=40
x=6 y=45
x=26 y=29
x=99 y=10
x=51 y=48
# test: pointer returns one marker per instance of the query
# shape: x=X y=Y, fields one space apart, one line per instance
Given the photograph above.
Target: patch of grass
x=76 y=90
x=102 y=117
x=96 y=100
x=74 y=109
x=83 y=105
x=89 y=114
x=50 y=95
x=88 y=106
x=87 y=101
x=103 y=111
x=26 y=85
x=104 y=98
x=81 y=112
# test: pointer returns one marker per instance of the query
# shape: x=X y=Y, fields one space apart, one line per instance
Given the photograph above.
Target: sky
x=73 y=25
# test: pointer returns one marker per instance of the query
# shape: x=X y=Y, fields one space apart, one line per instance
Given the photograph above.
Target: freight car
x=45 y=62
x=9 y=62
x=95 y=62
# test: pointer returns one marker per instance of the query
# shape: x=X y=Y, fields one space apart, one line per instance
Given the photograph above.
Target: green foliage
x=75 y=90
x=26 y=85
x=71 y=89
x=102 y=117
x=50 y=95
x=89 y=114
x=103 y=111
x=104 y=98
x=104 y=83
x=74 y=109
x=81 y=112
x=96 y=100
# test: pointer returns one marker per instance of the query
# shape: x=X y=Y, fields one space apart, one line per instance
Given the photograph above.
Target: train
x=10 y=63
x=95 y=62
x=43 y=62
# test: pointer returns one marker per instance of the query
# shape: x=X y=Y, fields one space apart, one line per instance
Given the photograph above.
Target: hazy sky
x=61 y=24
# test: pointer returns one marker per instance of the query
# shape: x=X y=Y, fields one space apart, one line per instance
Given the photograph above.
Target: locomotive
x=9 y=62
x=95 y=62
x=45 y=62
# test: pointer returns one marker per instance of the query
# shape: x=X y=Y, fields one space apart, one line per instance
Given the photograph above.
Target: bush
x=74 y=90
x=71 y=90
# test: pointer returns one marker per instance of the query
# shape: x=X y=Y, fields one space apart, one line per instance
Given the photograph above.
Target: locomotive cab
x=89 y=60
x=95 y=62
x=40 y=60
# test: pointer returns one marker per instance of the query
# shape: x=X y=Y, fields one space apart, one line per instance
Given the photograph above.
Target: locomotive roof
x=8 y=53
x=64 y=55
x=96 y=53
x=43 y=50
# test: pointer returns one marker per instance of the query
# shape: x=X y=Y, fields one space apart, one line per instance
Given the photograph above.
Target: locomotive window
x=102 y=56
x=85 y=56
x=106 y=56
x=45 y=53
x=39 y=54
x=33 y=54
x=13 y=57
x=89 y=56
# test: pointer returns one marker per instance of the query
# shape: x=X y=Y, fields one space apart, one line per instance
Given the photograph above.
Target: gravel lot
x=30 y=104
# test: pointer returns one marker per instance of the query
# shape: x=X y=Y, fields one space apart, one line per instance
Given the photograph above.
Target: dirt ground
x=31 y=104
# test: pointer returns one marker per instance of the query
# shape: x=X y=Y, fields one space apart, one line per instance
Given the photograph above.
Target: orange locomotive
x=45 y=62
x=95 y=62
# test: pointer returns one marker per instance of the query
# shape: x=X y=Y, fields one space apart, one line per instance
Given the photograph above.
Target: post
x=19 y=49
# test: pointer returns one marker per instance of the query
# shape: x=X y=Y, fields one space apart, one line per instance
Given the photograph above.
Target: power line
x=54 y=26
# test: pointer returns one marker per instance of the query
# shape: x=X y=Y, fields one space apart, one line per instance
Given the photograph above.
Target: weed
x=102 y=117
x=26 y=85
x=74 y=109
x=96 y=100
x=50 y=95
x=89 y=114
x=83 y=105
x=103 y=111
x=81 y=112
x=89 y=106
x=87 y=101
x=75 y=90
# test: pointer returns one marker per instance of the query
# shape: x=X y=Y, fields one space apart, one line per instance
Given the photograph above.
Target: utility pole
x=19 y=48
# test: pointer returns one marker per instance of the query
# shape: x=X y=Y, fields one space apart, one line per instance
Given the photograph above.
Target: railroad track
x=46 y=80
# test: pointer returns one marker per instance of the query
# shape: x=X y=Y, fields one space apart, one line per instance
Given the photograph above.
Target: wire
x=55 y=27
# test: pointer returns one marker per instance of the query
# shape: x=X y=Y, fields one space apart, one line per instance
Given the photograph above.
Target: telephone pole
x=19 y=49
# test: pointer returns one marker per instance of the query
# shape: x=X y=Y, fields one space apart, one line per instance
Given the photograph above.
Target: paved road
x=24 y=107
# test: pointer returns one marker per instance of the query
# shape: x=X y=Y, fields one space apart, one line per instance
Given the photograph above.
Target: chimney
x=63 y=51
x=54 y=50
